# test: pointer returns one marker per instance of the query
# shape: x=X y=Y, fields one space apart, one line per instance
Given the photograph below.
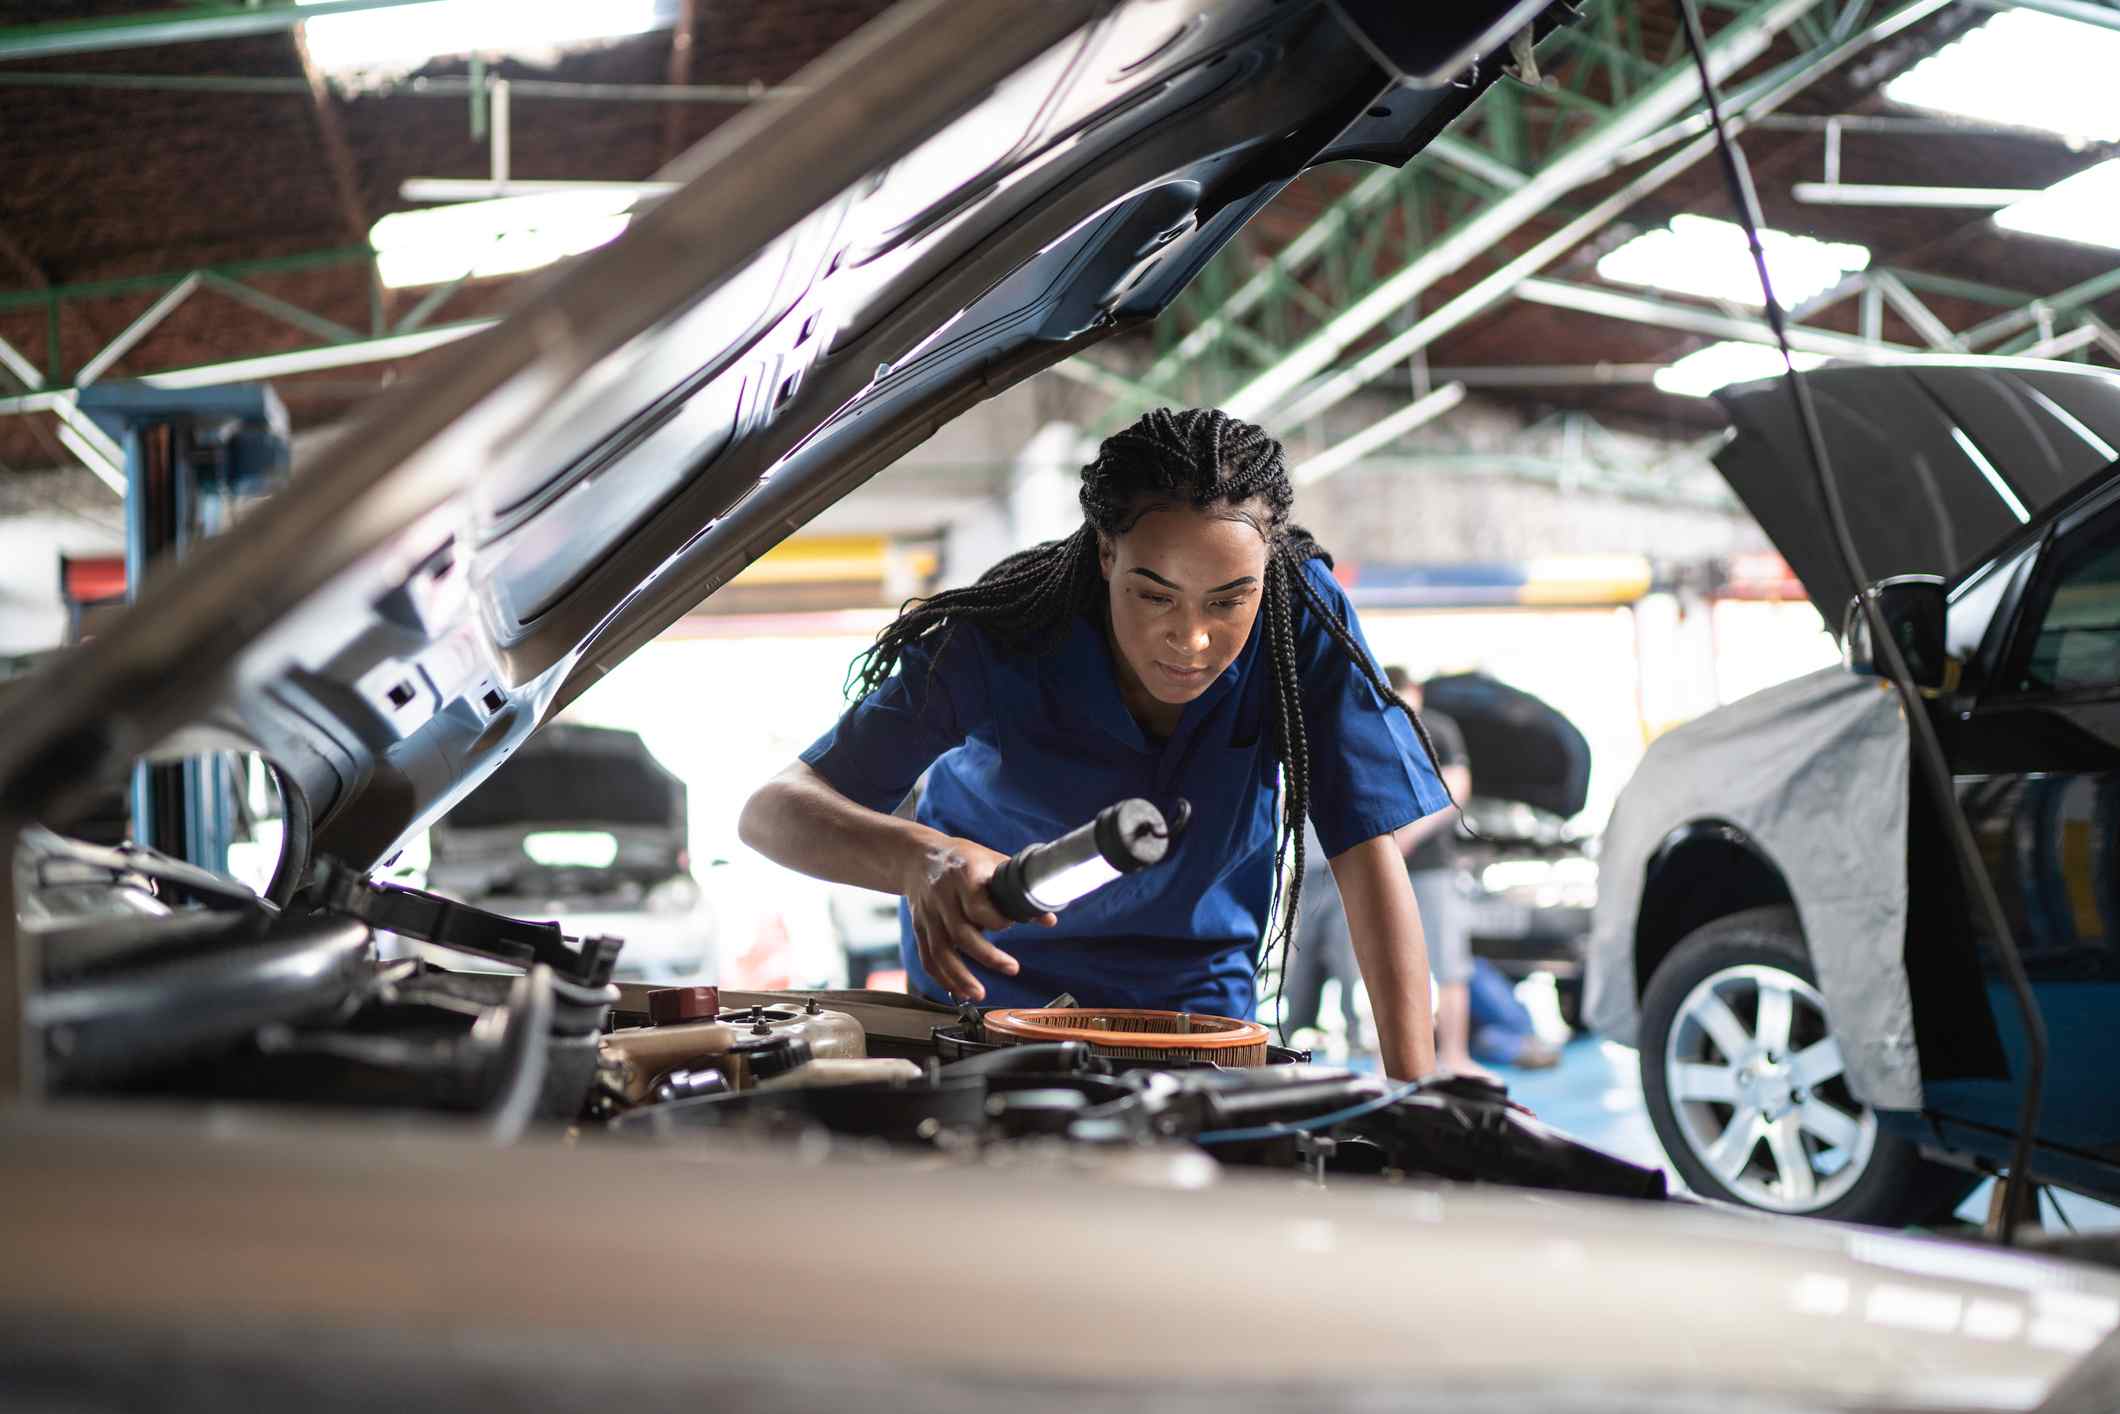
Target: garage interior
x=1494 y=370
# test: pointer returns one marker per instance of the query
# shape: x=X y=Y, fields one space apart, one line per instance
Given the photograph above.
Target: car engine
x=160 y=980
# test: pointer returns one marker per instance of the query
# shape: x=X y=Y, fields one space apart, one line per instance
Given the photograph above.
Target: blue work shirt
x=1021 y=747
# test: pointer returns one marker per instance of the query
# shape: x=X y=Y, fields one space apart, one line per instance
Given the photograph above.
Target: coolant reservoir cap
x=670 y=1005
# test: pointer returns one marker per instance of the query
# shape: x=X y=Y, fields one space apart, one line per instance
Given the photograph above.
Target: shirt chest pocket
x=1065 y=776
x=1231 y=791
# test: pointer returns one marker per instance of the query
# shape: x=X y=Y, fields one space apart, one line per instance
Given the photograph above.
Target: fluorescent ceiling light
x=2083 y=208
x=2023 y=69
x=501 y=237
x=407 y=36
x=1704 y=370
x=1698 y=255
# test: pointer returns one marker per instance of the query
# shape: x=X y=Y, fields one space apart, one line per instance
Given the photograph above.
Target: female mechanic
x=1185 y=641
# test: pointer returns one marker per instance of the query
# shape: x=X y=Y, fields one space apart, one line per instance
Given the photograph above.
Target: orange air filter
x=1172 y=1037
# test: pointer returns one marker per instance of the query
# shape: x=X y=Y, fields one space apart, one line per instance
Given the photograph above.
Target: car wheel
x=1746 y=1087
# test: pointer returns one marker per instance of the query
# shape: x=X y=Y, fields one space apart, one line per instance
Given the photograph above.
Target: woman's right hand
x=945 y=891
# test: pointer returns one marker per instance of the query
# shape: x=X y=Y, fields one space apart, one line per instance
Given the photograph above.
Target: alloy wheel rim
x=1759 y=1091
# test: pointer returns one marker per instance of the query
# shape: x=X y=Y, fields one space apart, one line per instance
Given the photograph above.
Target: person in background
x=1430 y=847
x=1324 y=949
x=1502 y=1030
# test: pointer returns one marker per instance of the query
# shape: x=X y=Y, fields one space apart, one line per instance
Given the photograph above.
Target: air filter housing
x=1167 y=1037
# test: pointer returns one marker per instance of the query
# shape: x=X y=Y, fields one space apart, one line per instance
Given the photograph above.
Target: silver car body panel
x=1099 y=1271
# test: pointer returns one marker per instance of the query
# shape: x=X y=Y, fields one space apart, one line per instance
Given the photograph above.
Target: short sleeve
x=1369 y=773
x=878 y=748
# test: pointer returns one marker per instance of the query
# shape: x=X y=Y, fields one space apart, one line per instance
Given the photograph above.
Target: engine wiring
x=1928 y=750
x=1282 y=1130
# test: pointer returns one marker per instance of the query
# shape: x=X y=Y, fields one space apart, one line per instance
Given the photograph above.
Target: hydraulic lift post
x=190 y=455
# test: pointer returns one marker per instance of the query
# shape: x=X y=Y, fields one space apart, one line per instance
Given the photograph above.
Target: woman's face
x=1185 y=587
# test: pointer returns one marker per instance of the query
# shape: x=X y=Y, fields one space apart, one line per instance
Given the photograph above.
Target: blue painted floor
x=1595 y=1095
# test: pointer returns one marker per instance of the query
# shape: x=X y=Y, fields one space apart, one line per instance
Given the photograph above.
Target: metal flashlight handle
x=1045 y=878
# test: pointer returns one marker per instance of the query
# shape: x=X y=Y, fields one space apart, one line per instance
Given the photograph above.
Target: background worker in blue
x=1186 y=641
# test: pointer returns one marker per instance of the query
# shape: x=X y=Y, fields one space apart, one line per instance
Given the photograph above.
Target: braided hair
x=1211 y=462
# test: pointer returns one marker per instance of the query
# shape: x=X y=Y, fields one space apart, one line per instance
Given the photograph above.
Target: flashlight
x=1124 y=839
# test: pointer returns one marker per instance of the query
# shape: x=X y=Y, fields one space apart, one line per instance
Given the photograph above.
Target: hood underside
x=971 y=191
x=1521 y=749
x=1936 y=461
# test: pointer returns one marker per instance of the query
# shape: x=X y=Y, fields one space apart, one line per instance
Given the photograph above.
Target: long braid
x=1197 y=457
x=1025 y=601
x=1293 y=747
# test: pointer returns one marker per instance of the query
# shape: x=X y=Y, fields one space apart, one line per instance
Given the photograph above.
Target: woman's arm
x=799 y=821
x=1386 y=928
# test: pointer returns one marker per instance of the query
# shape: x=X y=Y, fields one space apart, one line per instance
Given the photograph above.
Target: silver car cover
x=1815 y=771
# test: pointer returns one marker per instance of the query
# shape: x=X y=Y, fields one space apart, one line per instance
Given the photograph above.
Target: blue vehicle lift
x=192 y=455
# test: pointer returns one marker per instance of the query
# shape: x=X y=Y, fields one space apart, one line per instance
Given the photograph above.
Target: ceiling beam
x=1476 y=161
x=1378 y=435
x=683 y=50
x=2027 y=316
x=1709 y=323
x=449 y=86
x=157 y=27
x=140 y=328
x=345 y=177
x=1919 y=317
x=31 y=271
x=1332 y=225
x=275 y=365
x=1497 y=286
x=1552 y=375
x=1888 y=194
x=1593 y=156
x=345 y=173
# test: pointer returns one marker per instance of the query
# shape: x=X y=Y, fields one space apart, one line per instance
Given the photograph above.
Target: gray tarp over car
x=1815 y=771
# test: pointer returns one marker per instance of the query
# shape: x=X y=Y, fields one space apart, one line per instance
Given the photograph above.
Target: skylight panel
x=505 y=236
x=407 y=36
x=1698 y=255
x=2084 y=208
x=2023 y=68
x=1704 y=370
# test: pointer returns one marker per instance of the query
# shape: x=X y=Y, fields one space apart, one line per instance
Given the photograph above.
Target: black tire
x=1897 y=1186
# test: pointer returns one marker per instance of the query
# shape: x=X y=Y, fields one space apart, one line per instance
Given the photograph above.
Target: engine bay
x=161 y=981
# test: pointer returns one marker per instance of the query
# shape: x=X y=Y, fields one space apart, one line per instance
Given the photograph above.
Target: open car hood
x=1521 y=748
x=971 y=191
x=1937 y=460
